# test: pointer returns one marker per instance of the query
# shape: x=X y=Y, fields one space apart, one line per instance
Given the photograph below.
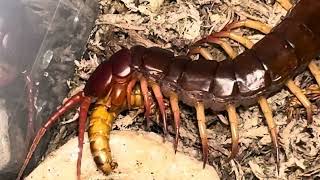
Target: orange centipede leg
x=176 y=116
x=285 y=4
x=204 y=53
x=234 y=130
x=130 y=86
x=271 y=126
x=227 y=34
x=210 y=39
x=203 y=131
x=257 y=25
x=147 y=104
x=315 y=71
x=302 y=98
x=159 y=97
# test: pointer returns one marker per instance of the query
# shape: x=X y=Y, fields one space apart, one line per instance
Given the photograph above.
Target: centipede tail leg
x=84 y=107
x=147 y=104
x=176 y=116
x=203 y=131
x=159 y=97
x=234 y=130
x=271 y=125
x=302 y=98
x=314 y=69
x=74 y=100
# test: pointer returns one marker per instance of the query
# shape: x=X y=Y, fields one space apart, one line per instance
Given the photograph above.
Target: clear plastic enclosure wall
x=39 y=41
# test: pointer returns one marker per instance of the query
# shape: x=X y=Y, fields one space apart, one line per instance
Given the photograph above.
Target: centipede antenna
x=202 y=51
x=257 y=25
x=227 y=34
x=271 y=126
x=159 y=97
x=147 y=104
x=314 y=69
x=233 y=121
x=84 y=107
x=302 y=98
x=203 y=131
x=74 y=100
x=176 y=116
x=130 y=86
x=285 y=4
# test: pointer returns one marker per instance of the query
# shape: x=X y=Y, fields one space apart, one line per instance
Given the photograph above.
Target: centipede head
x=109 y=73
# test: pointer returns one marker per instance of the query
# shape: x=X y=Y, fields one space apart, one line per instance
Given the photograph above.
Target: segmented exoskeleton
x=240 y=80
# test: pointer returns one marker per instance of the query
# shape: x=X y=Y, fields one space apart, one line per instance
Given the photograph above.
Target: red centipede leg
x=157 y=92
x=130 y=86
x=285 y=4
x=176 y=116
x=82 y=125
x=147 y=104
x=257 y=25
x=74 y=100
x=272 y=127
x=315 y=71
x=203 y=131
x=234 y=130
x=302 y=98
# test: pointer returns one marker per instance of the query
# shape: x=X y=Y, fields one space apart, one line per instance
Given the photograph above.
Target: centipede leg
x=210 y=39
x=227 y=34
x=257 y=25
x=285 y=4
x=76 y=99
x=302 y=98
x=176 y=116
x=203 y=131
x=130 y=86
x=147 y=104
x=271 y=125
x=82 y=125
x=234 y=130
x=204 y=53
x=315 y=71
x=159 y=97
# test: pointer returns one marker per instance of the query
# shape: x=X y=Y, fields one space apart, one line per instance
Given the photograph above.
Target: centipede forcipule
x=245 y=79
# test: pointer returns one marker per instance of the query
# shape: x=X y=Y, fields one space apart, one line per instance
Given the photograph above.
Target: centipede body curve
x=256 y=73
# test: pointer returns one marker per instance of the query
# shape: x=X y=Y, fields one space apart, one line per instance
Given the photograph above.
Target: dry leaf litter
x=175 y=25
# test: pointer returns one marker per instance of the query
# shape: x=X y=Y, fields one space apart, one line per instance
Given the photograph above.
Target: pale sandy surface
x=140 y=155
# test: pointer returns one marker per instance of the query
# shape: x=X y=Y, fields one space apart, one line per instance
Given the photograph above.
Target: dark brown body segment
x=279 y=59
x=194 y=80
x=264 y=69
x=250 y=74
x=224 y=81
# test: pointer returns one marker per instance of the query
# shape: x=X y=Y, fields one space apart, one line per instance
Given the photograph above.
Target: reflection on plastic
x=33 y=37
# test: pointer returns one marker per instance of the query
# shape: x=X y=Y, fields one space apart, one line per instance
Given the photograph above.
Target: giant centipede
x=241 y=80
